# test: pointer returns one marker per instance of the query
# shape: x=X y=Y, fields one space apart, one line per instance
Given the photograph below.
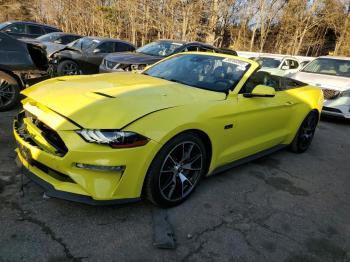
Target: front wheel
x=305 y=134
x=68 y=67
x=176 y=170
x=9 y=92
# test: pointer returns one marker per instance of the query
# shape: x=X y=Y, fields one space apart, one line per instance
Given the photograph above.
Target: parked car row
x=71 y=54
x=330 y=73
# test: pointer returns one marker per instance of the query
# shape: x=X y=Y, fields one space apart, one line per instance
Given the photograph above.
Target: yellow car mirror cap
x=261 y=91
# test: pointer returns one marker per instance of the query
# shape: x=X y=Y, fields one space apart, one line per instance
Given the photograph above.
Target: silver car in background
x=332 y=75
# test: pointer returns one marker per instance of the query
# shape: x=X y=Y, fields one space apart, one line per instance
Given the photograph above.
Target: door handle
x=289 y=103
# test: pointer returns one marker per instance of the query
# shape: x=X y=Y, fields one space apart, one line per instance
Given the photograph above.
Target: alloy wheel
x=7 y=92
x=180 y=171
x=307 y=131
x=70 y=69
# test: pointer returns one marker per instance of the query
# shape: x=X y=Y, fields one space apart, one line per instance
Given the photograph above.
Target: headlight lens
x=346 y=93
x=114 y=138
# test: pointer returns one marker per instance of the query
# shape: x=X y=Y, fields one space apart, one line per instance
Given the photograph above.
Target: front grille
x=330 y=93
x=49 y=134
x=330 y=109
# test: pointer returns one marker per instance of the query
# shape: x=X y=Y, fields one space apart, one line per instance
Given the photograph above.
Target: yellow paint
x=162 y=109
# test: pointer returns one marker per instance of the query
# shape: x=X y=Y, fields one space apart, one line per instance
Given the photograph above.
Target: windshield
x=86 y=43
x=268 y=62
x=202 y=71
x=48 y=37
x=326 y=66
x=3 y=25
x=159 y=48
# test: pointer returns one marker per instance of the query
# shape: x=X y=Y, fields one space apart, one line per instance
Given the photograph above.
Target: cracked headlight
x=113 y=138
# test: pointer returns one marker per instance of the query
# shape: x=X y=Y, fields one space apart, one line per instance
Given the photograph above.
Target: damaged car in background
x=54 y=42
x=85 y=55
x=152 y=53
x=21 y=64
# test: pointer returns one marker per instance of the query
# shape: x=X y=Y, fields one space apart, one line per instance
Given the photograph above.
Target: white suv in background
x=281 y=65
x=332 y=75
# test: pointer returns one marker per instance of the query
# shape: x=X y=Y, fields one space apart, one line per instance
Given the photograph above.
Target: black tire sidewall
x=295 y=145
x=16 y=85
x=152 y=179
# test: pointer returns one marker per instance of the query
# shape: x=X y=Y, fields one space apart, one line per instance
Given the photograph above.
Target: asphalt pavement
x=284 y=207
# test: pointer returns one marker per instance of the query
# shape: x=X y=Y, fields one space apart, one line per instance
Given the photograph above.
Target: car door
x=259 y=123
x=96 y=56
x=93 y=58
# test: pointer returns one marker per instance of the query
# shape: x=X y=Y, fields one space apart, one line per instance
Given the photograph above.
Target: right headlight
x=113 y=138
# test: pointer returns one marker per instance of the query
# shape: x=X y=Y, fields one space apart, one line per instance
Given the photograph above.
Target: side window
x=204 y=49
x=261 y=78
x=191 y=48
x=35 y=30
x=123 y=47
x=16 y=29
x=50 y=30
x=293 y=64
x=106 y=47
x=64 y=40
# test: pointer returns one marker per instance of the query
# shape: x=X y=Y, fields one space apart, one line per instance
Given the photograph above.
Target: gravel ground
x=284 y=207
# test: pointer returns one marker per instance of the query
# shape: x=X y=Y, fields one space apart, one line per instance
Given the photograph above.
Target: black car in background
x=58 y=38
x=154 y=52
x=21 y=64
x=85 y=55
x=21 y=29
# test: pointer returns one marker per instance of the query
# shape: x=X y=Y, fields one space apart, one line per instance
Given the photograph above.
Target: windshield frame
x=320 y=73
x=93 y=43
x=52 y=37
x=227 y=91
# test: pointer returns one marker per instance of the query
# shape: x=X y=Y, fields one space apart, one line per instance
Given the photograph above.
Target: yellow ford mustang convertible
x=111 y=138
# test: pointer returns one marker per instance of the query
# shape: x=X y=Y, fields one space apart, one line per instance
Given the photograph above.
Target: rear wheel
x=176 y=170
x=303 y=138
x=68 y=67
x=9 y=91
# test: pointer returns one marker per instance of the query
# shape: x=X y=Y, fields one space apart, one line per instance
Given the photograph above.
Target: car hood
x=133 y=58
x=112 y=101
x=323 y=81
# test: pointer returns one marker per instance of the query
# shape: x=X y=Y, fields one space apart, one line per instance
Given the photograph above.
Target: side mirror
x=285 y=67
x=261 y=91
x=97 y=51
x=58 y=41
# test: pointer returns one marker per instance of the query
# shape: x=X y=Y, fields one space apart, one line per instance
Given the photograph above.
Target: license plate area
x=25 y=153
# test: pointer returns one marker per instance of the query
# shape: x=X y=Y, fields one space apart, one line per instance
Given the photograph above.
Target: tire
x=305 y=134
x=68 y=67
x=9 y=91
x=176 y=170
